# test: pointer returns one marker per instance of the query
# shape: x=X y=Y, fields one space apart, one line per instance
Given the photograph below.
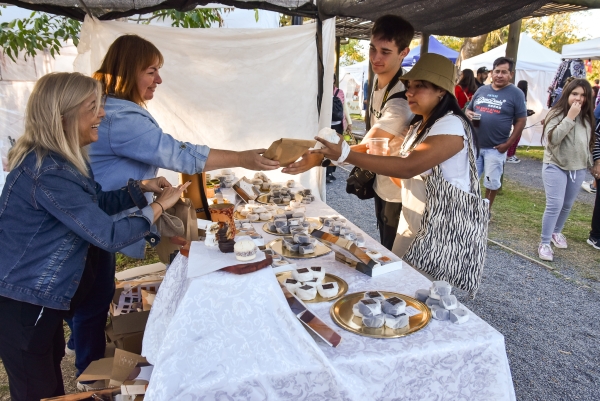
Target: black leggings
x=388 y=216
x=32 y=344
x=596 y=214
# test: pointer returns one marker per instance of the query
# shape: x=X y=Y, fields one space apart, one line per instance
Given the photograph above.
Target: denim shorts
x=490 y=164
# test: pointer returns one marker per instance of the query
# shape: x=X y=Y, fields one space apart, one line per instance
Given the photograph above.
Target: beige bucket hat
x=433 y=68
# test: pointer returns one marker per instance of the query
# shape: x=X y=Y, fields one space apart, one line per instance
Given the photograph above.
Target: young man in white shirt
x=390 y=38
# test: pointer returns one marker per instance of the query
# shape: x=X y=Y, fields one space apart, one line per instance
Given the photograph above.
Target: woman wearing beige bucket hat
x=439 y=140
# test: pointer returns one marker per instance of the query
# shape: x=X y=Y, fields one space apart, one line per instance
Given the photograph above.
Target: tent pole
x=320 y=65
x=424 y=43
x=512 y=45
x=337 y=61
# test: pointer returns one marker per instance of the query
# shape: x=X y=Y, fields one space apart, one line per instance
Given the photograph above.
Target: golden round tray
x=314 y=220
x=329 y=278
x=277 y=246
x=342 y=315
x=264 y=199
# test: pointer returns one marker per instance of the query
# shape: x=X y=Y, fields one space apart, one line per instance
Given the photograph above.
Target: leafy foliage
x=351 y=53
x=37 y=32
x=450 y=41
x=42 y=31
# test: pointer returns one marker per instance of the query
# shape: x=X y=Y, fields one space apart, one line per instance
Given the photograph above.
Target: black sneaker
x=595 y=242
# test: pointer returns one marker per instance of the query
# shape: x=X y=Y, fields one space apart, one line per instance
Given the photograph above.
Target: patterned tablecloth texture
x=227 y=337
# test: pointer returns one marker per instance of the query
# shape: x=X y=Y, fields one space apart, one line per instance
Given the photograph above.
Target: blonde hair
x=56 y=97
x=126 y=57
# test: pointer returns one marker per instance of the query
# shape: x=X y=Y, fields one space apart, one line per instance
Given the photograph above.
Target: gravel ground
x=550 y=325
x=529 y=173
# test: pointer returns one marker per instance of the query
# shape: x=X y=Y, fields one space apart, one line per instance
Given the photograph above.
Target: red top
x=462 y=96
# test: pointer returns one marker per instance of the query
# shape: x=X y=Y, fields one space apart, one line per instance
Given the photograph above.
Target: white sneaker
x=545 y=252
x=513 y=159
x=559 y=240
x=587 y=186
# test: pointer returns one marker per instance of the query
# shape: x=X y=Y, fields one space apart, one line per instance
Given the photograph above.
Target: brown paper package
x=286 y=151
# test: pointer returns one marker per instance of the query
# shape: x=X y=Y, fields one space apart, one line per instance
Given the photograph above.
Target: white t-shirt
x=456 y=169
x=395 y=117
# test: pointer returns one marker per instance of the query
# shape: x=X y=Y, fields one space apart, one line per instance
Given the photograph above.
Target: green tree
x=451 y=41
x=45 y=31
x=351 y=53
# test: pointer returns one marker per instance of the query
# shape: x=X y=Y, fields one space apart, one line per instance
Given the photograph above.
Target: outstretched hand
x=253 y=160
x=155 y=185
x=331 y=150
x=170 y=195
x=307 y=162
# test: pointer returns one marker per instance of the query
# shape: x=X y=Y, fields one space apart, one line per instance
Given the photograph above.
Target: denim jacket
x=49 y=216
x=132 y=145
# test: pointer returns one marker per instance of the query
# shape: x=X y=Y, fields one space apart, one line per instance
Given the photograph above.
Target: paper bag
x=185 y=211
x=287 y=151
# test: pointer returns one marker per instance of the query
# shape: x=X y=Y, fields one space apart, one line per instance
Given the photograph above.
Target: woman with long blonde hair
x=51 y=212
x=569 y=138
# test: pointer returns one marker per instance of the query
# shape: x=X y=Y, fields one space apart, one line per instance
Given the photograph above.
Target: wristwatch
x=326 y=162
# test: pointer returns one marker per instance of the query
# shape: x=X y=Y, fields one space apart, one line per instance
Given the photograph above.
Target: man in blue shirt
x=498 y=108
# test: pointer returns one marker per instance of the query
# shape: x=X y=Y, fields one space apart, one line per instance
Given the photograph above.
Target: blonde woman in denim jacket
x=51 y=212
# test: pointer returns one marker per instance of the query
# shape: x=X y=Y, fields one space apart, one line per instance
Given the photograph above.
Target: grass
x=531 y=152
x=125 y=262
x=517 y=223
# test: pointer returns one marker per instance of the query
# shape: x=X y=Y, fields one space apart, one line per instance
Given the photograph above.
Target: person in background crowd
x=365 y=94
x=437 y=137
x=560 y=90
x=511 y=153
x=52 y=212
x=594 y=238
x=595 y=91
x=338 y=125
x=389 y=115
x=466 y=87
x=132 y=144
x=569 y=137
x=499 y=107
x=482 y=76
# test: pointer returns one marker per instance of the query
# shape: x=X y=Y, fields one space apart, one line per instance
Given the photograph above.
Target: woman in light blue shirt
x=132 y=144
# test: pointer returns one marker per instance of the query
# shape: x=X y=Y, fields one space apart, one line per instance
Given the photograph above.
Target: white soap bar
x=356 y=311
x=306 y=292
x=459 y=315
x=449 y=302
x=441 y=288
x=302 y=274
x=376 y=295
x=318 y=272
x=396 y=322
x=369 y=307
x=439 y=313
x=313 y=282
x=422 y=295
x=393 y=306
x=375 y=321
x=433 y=294
x=328 y=290
x=292 y=284
x=431 y=302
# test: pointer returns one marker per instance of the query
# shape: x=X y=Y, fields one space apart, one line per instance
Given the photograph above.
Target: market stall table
x=222 y=336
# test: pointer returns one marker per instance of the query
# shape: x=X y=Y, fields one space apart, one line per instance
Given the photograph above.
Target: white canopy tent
x=589 y=49
x=350 y=76
x=537 y=65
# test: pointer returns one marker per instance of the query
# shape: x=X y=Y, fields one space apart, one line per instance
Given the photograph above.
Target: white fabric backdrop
x=229 y=88
x=537 y=65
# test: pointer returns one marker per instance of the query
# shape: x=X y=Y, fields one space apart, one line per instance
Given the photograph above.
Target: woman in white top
x=437 y=137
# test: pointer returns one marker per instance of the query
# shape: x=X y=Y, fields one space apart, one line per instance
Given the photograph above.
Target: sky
x=588 y=23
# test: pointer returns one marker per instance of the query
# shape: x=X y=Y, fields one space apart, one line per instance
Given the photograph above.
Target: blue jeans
x=89 y=318
x=561 y=188
x=491 y=162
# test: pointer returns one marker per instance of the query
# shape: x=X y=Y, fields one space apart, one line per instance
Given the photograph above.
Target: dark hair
x=504 y=60
x=597 y=81
x=393 y=28
x=523 y=85
x=446 y=104
x=467 y=81
x=562 y=107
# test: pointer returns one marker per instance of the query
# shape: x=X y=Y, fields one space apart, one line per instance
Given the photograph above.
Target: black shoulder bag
x=360 y=181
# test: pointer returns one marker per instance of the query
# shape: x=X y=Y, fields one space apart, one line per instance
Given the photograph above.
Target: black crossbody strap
x=386 y=97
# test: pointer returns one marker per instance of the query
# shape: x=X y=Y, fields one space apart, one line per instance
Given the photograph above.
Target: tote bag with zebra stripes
x=451 y=243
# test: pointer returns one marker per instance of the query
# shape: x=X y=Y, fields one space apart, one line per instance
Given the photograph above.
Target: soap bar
x=449 y=302
x=439 y=313
x=318 y=272
x=290 y=246
x=369 y=307
x=422 y=295
x=328 y=290
x=283 y=230
x=459 y=315
x=396 y=321
x=441 y=288
x=306 y=249
x=374 y=321
x=292 y=284
x=393 y=306
x=374 y=295
x=355 y=311
x=306 y=292
x=302 y=274
x=431 y=302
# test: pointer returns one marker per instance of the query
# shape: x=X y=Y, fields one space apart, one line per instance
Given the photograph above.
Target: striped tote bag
x=451 y=243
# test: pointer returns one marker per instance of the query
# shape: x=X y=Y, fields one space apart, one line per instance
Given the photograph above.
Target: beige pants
x=413 y=204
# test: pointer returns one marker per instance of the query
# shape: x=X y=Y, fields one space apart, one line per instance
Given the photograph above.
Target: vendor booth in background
x=537 y=65
x=435 y=46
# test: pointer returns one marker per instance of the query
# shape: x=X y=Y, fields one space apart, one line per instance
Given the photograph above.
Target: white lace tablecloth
x=228 y=337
